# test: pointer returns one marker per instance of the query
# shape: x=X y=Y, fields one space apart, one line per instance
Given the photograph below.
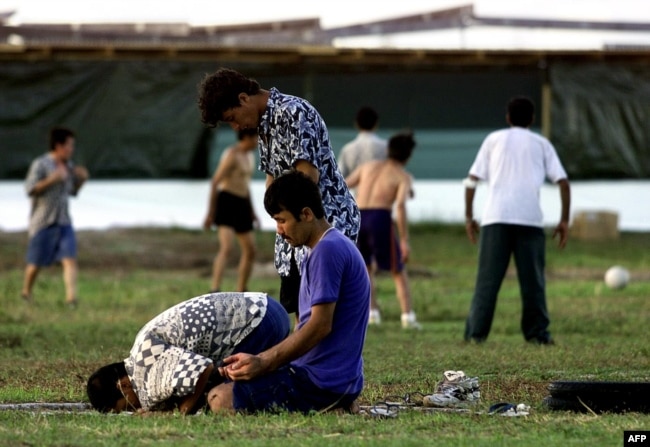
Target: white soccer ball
x=617 y=277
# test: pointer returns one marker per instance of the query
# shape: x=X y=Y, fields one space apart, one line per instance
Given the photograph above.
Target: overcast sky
x=332 y=12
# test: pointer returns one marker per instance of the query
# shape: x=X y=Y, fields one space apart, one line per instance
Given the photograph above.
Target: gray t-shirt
x=51 y=206
x=171 y=351
x=367 y=146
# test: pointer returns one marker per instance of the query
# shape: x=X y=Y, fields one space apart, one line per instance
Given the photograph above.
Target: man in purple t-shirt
x=319 y=366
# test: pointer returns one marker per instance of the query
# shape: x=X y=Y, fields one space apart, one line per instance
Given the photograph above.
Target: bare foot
x=27 y=297
x=352 y=409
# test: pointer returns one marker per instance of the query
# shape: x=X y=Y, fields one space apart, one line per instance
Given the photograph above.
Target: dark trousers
x=498 y=242
x=290 y=287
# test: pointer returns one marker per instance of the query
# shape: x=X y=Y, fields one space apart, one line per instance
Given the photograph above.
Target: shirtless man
x=231 y=210
x=381 y=186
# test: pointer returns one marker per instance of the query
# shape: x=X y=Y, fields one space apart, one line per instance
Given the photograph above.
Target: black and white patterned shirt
x=291 y=130
x=171 y=351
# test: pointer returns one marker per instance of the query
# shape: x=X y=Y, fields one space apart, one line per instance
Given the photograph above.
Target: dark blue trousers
x=498 y=242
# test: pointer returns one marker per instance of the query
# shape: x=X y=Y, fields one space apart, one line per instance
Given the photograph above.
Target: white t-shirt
x=514 y=163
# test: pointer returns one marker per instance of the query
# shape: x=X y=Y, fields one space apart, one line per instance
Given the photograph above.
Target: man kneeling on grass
x=171 y=364
x=319 y=365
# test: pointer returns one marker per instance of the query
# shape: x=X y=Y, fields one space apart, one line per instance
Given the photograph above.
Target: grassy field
x=127 y=276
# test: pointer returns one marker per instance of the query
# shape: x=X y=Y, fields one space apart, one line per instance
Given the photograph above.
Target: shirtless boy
x=231 y=210
x=381 y=186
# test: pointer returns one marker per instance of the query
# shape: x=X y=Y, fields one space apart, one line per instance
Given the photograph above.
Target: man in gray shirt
x=367 y=146
x=51 y=179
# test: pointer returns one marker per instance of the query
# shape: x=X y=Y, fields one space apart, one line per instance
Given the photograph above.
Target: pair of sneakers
x=455 y=390
x=408 y=320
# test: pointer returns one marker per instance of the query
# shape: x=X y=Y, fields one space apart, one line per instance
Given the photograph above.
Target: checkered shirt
x=171 y=351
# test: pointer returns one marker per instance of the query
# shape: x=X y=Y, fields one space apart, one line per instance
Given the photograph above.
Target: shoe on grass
x=409 y=321
x=374 y=317
x=441 y=400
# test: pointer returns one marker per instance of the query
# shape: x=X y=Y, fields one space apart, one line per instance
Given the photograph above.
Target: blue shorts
x=286 y=389
x=52 y=244
x=273 y=328
x=378 y=240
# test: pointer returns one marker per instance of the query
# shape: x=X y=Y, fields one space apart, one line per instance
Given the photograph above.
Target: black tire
x=567 y=388
x=599 y=397
x=554 y=403
x=597 y=406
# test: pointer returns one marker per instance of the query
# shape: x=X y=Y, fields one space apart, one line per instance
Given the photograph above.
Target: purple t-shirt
x=334 y=271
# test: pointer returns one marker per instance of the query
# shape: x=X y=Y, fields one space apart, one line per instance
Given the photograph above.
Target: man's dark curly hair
x=220 y=91
x=102 y=389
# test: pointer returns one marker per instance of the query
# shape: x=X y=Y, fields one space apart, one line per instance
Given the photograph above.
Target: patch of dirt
x=145 y=248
